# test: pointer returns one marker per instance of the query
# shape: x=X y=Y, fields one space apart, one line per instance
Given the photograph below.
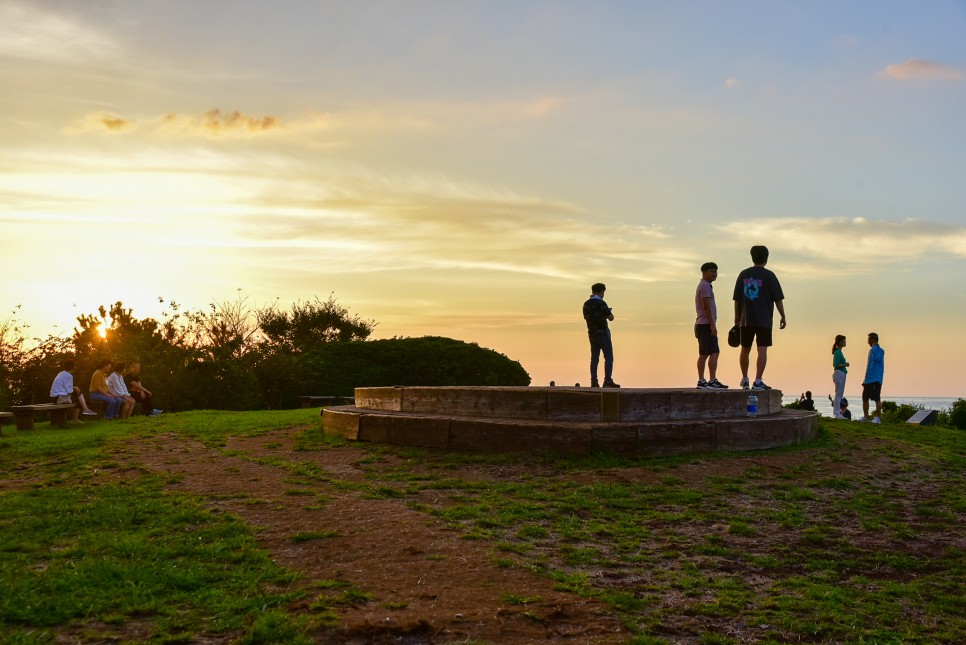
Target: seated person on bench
x=115 y=383
x=140 y=393
x=100 y=392
x=63 y=391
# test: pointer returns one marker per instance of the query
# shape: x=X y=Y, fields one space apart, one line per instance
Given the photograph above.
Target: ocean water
x=824 y=406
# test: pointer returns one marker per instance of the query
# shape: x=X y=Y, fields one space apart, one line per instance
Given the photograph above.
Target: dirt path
x=427 y=584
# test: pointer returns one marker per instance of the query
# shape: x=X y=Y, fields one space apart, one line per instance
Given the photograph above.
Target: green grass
x=853 y=538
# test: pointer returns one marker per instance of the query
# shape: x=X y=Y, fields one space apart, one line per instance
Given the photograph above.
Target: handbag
x=734 y=336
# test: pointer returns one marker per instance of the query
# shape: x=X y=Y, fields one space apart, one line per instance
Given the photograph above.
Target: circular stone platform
x=570 y=420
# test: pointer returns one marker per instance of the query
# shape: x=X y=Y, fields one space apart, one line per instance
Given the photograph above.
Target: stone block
x=645 y=405
x=379 y=398
x=675 y=438
x=507 y=403
x=400 y=430
x=615 y=440
x=498 y=436
x=341 y=423
x=573 y=404
x=739 y=434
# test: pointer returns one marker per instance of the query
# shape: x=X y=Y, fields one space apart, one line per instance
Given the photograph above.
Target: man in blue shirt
x=872 y=384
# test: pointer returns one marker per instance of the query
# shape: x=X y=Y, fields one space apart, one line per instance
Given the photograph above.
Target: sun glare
x=102 y=331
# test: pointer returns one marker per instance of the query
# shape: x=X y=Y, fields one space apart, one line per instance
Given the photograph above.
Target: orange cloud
x=103 y=121
x=920 y=69
x=215 y=122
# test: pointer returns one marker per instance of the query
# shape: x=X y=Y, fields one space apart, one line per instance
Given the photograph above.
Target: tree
x=311 y=324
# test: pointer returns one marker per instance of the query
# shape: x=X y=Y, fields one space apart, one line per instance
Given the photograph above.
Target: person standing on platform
x=597 y=314
x=840 y=368
x=706 y=328
x=872 y=385
x=757 y=294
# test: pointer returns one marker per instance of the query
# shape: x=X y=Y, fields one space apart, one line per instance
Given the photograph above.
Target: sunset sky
x=468 y=169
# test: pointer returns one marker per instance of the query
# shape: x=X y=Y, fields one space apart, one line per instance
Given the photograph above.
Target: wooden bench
x=313 y=401
x=3 y=417
x=25 y=414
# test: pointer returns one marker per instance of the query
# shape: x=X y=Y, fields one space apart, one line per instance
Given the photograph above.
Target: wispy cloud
x=374 y=223
x=856 y=242
x=921 y=69
x=31 y=33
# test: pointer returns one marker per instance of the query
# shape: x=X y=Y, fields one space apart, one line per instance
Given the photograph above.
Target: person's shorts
x=749 y=334
x=61 y=399
x=872 y=391
x=707 y=344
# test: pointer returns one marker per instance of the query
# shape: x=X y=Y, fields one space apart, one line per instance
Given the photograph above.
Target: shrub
x=338 y=368
x=957 y=414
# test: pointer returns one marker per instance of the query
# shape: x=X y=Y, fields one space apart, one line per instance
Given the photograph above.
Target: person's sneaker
x=744 y=383
x=610 y=384
x=862 y=419
x=760 y=385
x=594 y=383
x=702 y=384
x=88 y=413
x=715 y=384
x=876 y=420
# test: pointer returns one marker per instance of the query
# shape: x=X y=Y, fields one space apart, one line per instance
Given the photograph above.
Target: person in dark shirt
x=805 y=402
x=141 y=394
x=757 y=294
x=597 y=314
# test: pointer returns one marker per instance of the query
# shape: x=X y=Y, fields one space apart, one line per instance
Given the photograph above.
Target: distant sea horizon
x=824 y=406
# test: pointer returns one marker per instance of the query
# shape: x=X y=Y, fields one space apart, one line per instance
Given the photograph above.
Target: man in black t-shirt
x=757 y=294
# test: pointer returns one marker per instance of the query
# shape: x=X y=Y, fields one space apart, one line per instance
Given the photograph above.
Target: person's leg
x=712 y=367
x=865 y=401
x=761 y=362
x=743 y=361
x=702 y=361
x=83 y=405
x=108 y=402
x=608 y=348
x=116 y=402
x=878 y=401
x=594 y=359
x=838 y=378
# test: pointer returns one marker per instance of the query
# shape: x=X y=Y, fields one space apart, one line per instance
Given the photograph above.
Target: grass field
x=857 y=537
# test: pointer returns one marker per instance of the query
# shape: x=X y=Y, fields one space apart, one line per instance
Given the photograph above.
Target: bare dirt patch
x=427 y=585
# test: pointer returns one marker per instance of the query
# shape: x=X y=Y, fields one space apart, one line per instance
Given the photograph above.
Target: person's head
x=759 y=254
x=873 y=338
x=134 y=368
x=844 y=403
x=68 y=365
x=104 y=365
x=709 y=271
x=598 y=288
x=808 y=394
x=119 y=367
x=839 y=342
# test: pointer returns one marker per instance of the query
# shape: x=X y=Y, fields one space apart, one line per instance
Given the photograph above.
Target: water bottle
x=752 y=405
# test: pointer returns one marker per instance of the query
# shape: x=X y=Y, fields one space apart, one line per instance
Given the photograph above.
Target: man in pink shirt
x=706 y=328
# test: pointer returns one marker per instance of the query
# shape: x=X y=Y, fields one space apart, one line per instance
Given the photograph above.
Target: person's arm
x=780 y=305
x=737 y=312
x=706 y=305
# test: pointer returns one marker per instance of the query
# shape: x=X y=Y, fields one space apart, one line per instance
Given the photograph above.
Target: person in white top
x=62 y=390
x=115 y=383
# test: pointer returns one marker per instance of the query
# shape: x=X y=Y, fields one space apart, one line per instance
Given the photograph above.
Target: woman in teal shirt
x=839 y=370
